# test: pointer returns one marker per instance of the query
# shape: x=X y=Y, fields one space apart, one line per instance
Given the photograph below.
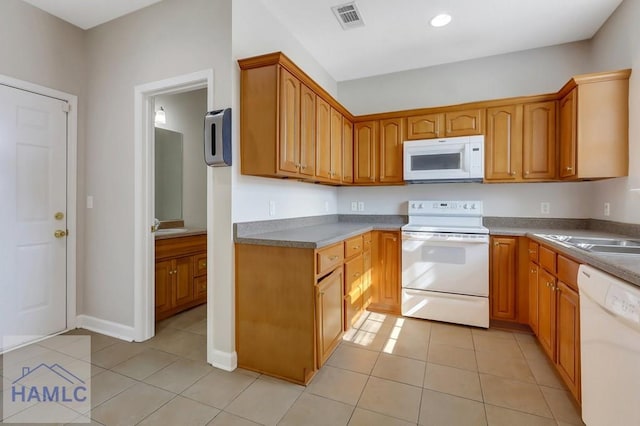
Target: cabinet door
x=307 y=131
x=353 y=273
x=568 y=135
x=352 y=307
x=200 y=288
x=539 y=141
x=289 y=153
x=503 y=278
x=164 y=279
x=365 y=147
x=336 y=146
x=568 y=338
x=533 y=297
x=323 y=139
x=367 y=277
x=547 y=312
x=183 y=275
x=387 y=285
x=330 y=314
x=391 y=139
x=464 y=123
x=503 y=144
x=427 y=126
x=347 y=151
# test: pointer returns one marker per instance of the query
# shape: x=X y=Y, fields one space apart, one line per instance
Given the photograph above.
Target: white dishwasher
x=610 y=349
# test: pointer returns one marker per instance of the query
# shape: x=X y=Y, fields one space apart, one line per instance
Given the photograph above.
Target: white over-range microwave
x=458 y=159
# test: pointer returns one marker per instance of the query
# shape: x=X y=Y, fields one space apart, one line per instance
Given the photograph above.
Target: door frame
x=72 y=183
x=144 y=242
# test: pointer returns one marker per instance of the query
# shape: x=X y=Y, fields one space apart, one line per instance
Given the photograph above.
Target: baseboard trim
x=109 y=328
x=227 y=361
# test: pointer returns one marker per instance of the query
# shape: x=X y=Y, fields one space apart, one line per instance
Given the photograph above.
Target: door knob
x=59 y=216
x=59 y=233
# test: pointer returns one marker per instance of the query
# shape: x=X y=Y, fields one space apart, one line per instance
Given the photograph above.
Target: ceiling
x=397 y=35
x=89 y=13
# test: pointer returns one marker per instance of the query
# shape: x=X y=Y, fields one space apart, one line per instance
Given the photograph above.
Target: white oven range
x=445 y=262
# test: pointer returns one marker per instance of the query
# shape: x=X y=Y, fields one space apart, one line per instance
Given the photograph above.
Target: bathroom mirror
x=168 y=171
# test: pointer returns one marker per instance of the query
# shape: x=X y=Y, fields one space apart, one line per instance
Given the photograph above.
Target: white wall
x=515 y=200
x=617 y=46
x=170 y=38
x=185 y=112
x=256 y=31
x=42 y=49
x=529 y=72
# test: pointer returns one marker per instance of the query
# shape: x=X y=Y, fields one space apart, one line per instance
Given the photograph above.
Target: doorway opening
x=148 y=99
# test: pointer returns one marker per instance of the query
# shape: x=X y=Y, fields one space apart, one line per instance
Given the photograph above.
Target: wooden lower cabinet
x=568 y=337
x=386 y=285
x=329 y=314
x=547 y=312
x=503 y=272
x=180 y=277
x=533 y=296
x=557 y=323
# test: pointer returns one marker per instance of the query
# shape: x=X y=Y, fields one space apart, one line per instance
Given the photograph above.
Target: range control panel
x=444 y=208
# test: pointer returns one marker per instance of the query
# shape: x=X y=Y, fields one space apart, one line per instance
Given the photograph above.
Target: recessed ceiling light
x=440 y=20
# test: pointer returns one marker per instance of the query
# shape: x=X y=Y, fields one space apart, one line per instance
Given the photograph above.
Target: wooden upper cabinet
x=594 y=126
x=289 y=122
x=307 y=131
x=503 y=143
x=347 y=151
x=427 y=126
x=539 y=141
x=336 y=146
x=323 y=139
x=568 y=135
x=464 y=122
x=365 y=147
x=391 y=139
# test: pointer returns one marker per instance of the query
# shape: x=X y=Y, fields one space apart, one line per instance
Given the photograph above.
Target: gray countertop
x=316 y=236
x=623 y=266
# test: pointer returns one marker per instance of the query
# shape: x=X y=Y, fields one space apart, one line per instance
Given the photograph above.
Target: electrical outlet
x=545 y=207
x=360 y=206
x=354 y=206
x=607 y=209
x=89 y=201
x=272 y=208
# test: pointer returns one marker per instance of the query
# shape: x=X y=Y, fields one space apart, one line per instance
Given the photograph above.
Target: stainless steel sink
x=599 y=245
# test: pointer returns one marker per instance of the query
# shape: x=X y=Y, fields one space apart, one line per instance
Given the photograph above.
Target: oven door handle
x=426 y=237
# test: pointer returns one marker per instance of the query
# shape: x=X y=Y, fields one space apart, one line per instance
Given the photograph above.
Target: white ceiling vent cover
x=348 y=15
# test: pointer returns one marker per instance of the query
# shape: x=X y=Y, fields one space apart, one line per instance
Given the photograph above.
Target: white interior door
x=33 y=173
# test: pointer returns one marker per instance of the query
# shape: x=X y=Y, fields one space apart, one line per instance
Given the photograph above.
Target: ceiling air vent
x=348 y=15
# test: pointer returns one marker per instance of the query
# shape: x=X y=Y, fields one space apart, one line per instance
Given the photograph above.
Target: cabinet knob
x=526 y=173
x=356 y=247
x=332 y=258
x=496 y=244
x=533 y=271
x=512 y=173
x=568 y=169
x=357 y=274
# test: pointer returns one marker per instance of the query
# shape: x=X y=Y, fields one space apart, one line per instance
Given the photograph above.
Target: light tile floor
x=387 y=371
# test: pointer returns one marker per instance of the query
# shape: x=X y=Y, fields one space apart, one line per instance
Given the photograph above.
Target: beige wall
x=42 y=49
x=617 y=46
x=168 y=39
x=185 y=112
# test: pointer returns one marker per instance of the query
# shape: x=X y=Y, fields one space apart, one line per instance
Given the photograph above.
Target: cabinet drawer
x=568 y=272
x=533 y=251
x=548 y=259
x=200 y=265
x=200 y=287
x=329 y=257
x=353 y=246
x=353 y=273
